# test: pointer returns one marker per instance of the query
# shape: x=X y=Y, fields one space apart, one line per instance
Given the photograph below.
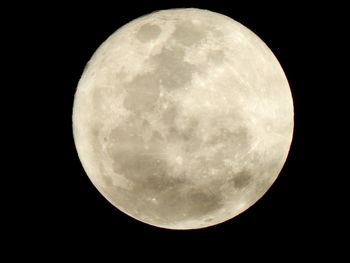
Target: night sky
x=60 y=210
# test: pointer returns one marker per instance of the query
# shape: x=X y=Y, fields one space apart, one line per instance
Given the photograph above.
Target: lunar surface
x=183 y=118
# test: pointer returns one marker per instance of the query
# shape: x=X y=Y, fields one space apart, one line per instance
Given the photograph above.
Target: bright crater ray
x=183 y=118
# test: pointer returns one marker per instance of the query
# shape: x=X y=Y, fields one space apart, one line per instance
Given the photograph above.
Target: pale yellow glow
x=183 y=118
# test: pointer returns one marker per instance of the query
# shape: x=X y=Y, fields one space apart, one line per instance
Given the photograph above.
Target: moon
x=183 y=118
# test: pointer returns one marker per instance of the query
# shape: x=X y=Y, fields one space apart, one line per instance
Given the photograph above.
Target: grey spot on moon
x=172 y=70
x=216 y=56
x=241 y=179
x=148 y=32
x=143 y=93
x=183 y=118
x=189 y=34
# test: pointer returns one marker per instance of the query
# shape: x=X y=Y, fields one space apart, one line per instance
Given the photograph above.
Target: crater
x=107 y=180
x=189 y=34
x=132 y=159
x=185 y=135
x=173 y=71
x=216 y=56
x=142 y=93
x=156 y=138
x=124 y=137
x=242 y=179
x=148 y=32
x=161 y=181
x=184 y=131
x=239 y=137
x=175 y=200
x=201 y=203
x=136 y=166
x=169 y=115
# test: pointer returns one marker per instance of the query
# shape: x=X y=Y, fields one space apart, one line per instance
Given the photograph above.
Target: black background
x=59 y=209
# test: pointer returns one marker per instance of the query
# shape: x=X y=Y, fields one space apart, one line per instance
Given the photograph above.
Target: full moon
x=183 y=118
